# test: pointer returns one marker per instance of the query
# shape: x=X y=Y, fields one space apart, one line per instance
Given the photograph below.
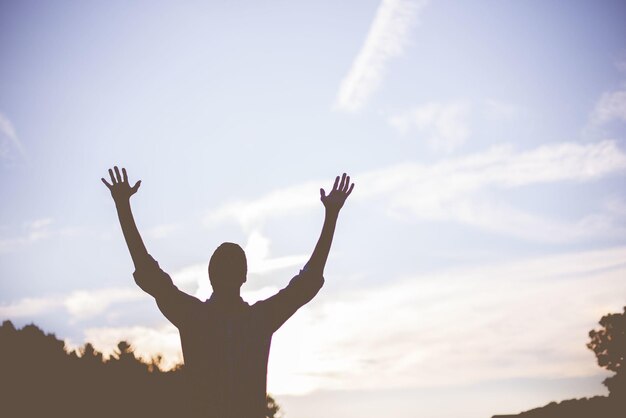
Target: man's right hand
x=120 y=188
x=334 y=201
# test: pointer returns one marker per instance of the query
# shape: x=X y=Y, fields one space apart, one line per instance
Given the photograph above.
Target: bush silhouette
x=609 y=344
x=38 y=377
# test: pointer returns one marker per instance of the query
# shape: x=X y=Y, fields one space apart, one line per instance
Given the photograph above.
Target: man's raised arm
x=121 y=193
x=333 y=202
x=303 y=287
x=175 y=304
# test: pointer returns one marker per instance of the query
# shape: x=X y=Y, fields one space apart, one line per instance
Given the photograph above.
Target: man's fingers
x=343 y=182
x=117 y=174
x=346 y=184
x=106 y=183
x=336 y=183
x=124 y=175
x=350 y=189
x=113 y=181
x=322 y=194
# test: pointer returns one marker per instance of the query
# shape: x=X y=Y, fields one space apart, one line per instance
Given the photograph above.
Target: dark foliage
x=39 y=378
x=609 y=344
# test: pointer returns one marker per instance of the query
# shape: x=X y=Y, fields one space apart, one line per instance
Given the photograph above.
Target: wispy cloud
x=30 y=307
x=455 y=190
x=277 y=203
x=454 y=327
x=79 y=304
x=82 y=304
x=259 y=260
x=9 y=140
x=445 y=126
x=161 y=231
x=611 y=106
x=498 y=217
x=32 y=232
x=386 y=39
x=452 y=190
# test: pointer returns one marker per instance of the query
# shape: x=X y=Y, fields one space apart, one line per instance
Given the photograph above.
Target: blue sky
x=486 y=234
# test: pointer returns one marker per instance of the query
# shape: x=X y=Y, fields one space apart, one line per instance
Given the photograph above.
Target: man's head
x=228 y=267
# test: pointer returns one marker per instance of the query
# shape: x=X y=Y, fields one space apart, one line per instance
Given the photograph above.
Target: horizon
x=485 y=237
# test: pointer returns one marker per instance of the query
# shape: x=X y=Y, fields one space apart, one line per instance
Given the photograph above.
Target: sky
x=485 y=237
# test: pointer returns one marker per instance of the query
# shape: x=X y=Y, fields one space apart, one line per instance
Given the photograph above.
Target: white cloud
x=497 y=217
x=445 y=126
x=258 y=254
x=527 y=319
x=276 y=203
x=454 y=190
x=161 y=231
x=9 y=139
x=80 y=304
x=260 y=262
x=29 y=307
x=33 y=231
x=611 y=106
x=39 y=223
x=387 y=38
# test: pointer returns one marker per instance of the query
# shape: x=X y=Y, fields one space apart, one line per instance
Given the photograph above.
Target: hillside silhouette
x=609 y=345
x=39 y=378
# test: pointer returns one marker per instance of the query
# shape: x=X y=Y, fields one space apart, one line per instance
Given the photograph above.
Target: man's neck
x=227 y=297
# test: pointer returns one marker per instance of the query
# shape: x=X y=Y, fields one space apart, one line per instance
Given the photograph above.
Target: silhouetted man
x=226 y=341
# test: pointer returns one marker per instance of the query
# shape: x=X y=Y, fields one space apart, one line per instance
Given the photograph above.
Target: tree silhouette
x=609 y=344
x=39 y=377
x=272 y=408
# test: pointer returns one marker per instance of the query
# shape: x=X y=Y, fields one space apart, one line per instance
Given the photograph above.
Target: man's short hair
x=228 y=266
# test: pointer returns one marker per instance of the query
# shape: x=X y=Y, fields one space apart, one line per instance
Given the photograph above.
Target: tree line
x=39 y=378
